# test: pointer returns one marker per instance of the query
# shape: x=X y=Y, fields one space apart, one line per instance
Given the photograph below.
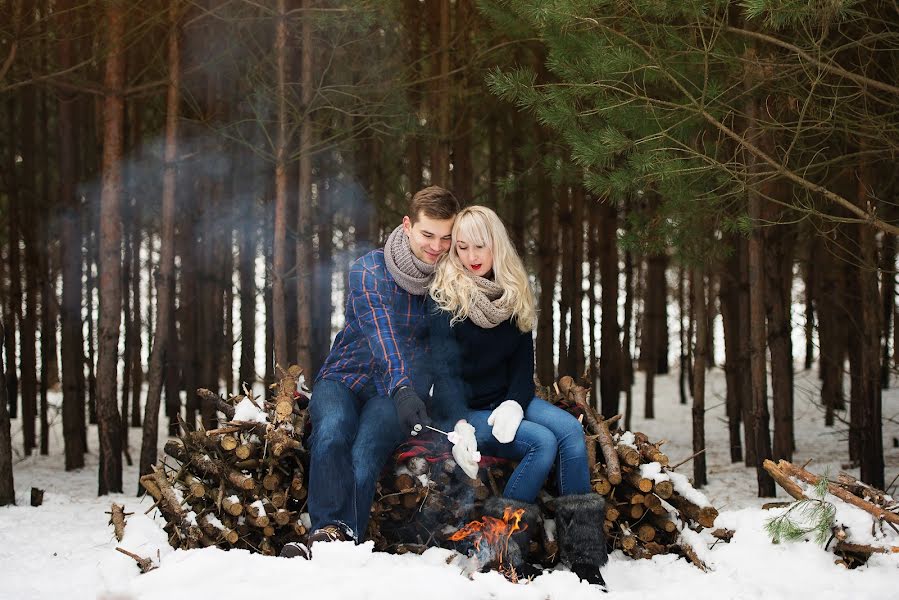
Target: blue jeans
x=352 y=435
x=547 y=436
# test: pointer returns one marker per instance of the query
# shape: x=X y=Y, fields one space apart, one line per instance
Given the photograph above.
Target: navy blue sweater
x=476 y=368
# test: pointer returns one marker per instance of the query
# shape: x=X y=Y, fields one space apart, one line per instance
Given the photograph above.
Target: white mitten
x=465 y=448
x=505 y=419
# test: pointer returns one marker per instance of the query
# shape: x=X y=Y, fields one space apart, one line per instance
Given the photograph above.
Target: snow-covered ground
x=65 y=548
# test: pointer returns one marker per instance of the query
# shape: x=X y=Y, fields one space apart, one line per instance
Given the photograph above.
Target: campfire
x=488 y=540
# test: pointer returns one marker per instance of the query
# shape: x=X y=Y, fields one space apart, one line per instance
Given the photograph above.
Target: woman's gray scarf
x=487 y=309
x=409 y=272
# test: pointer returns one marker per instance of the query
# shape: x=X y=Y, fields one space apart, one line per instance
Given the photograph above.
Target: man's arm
x=371 y=306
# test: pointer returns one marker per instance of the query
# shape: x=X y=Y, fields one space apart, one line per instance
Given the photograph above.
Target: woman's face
x=478 y=259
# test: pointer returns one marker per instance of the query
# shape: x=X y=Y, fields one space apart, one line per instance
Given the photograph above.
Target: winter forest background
x=694 y=185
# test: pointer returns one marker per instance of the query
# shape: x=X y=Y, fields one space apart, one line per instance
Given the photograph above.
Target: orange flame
x=493 y=532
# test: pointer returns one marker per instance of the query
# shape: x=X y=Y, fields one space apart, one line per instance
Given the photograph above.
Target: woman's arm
x=449 y=401
x=521 y=371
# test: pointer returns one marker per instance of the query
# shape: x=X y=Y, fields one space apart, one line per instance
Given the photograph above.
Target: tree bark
x=653 y=328
x=279 y=260
x=627 y=362
x=165 y=281
x=304 y=214
x=7 y=487
x=888 y=300
x=699 y=303
x=810 y=272
x=832 y=326
x=440 y=150
x=546 y=275
x=611 y=364
x=110 y=472
x=866 y=410
x=778 y=267
x=576 y=339
x=70 y=258
x=728 y=293
x=566 y=291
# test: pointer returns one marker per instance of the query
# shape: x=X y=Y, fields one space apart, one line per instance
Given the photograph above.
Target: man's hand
x=410 y=410
x=505 y=419
x=465 y=448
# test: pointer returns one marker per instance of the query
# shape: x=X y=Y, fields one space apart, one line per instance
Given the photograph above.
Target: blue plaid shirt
x=385 y=332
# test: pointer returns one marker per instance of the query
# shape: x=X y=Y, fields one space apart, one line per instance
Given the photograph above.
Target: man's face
x=429 y=238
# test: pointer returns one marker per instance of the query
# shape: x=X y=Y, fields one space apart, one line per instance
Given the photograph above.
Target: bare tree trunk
x=247 y=240
x=867 y=411
x=888 y=300
x=27 y=185
x=832 y=328
x=593 y=244
x=566 y=298
x=70 y=258
x=413 y=16
x=127 y=259
x=440 y=159
x=110 y=475
x=778 y=268
x=165 y=281
x=653 y=328
x=137 y=374
x=810 y=273
x=279 y=261
x=730 y=317
x=611 y=374
x=744 y=363
x=627 y=361
x=304 y=214
x=7 y=487
x=546 y=275
x=684 y=340
x=699 y=304
x=757 y=327
x=576 y=340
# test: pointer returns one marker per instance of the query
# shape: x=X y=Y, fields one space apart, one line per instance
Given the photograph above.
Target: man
x=367 y=396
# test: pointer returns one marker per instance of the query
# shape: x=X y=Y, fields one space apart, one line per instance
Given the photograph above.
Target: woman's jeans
x=547 y=436
x=352 y=437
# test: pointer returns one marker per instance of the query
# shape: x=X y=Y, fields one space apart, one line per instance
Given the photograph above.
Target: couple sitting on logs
x=445 y=306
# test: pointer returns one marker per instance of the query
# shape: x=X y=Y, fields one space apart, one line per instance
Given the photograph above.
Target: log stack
x=241 y=485
x=244 y=486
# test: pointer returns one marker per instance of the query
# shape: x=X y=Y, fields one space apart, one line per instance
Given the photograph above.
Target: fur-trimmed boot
x=582 y=541
x=520 y=541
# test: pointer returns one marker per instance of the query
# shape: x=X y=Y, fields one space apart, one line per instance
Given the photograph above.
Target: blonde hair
x=454 y=290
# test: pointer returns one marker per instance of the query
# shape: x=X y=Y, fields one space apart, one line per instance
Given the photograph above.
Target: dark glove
x=410 y=410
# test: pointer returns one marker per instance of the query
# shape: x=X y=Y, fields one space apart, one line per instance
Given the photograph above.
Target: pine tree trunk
x=462 y=121
x=70 y=263
x=593 y=232
x=728 y=293
x=744 y=364
x=566 y=250
x=322 y=305
x=757 y=327
x=247 y=242
x=888 y=300
x=268 y=237
x=279 y=260
x=412 y=16
x=127 y=260
x=652 y=328
x=810 y=272
x=441 y=29
x=7 y=486
x=27 y=185
x=576 y=341
x=627 y=361
x=110 y=434
x=702 y=334
x=304 y=214
x=165 y=280
x=778 y=267
x=546 y=275
x=612 y=366
x=682 y=311
x=137 y=374
x=13 y=303
x=832 y=328
x=867 y=411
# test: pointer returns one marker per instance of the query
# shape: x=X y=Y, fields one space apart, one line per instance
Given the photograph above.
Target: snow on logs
x=243 y=485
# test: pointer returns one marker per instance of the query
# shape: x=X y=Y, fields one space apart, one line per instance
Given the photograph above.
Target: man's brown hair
x=434 y=202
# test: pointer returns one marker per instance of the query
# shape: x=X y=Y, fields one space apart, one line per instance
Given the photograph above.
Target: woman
x=482 y=350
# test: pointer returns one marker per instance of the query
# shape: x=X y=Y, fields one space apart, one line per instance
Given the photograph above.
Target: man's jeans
x=352 y=437
x=547 y=436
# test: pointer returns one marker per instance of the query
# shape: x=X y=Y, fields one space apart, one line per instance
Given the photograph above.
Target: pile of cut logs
x=243 y=485
x=884 y=510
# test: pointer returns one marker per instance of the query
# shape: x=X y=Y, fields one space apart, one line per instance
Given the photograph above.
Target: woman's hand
x=505 y=419
x=465 y=448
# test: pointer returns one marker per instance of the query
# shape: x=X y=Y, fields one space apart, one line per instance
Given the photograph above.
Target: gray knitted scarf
x=409 y=272
x=487 y=310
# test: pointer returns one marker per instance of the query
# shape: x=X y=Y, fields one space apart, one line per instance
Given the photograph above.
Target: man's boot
x=520 y=541
x=582 y=541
